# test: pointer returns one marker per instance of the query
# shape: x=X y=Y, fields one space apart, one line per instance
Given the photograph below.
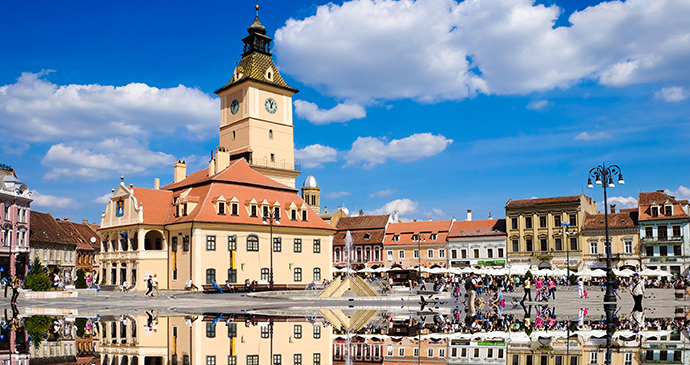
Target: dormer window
x=221 y=208
x=253 y=210
x=184 y=209
x=293 y=214
x=433 y=236
x=396 y=238
x=234 y=209
x=304 y=215
x=668 y=210
x=367 y=236
x=265 y=209
x=415 y=238
x=655 y=211
x=276 y=213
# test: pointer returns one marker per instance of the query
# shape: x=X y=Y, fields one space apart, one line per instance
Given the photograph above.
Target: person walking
x=528 y=292
x=15 y=284
x=580 y=287
x=149 y=285
x=471 y=288
x=638 y=292
x=155 y=285
x=551 y=285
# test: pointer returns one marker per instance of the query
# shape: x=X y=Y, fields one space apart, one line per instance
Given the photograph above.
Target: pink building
x=15 y=199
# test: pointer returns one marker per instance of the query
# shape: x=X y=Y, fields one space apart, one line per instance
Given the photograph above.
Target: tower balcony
x=278 y=165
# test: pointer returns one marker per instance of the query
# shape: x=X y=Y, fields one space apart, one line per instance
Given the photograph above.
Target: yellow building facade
x=535 y=233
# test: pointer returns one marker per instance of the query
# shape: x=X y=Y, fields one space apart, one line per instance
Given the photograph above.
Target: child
x=585 y=293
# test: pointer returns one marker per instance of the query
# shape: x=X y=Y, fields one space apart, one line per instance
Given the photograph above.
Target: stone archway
x=153 y=241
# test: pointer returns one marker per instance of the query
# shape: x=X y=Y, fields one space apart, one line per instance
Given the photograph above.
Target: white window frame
x=390 y=351
x=430 y=253
x=593 y=248
x=389 y=254
x=628 y=247
x=401 y=352
x=593 y=358
x=401 y=254
x=415 y=253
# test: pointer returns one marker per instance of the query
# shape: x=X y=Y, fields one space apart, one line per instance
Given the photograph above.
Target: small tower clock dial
x=271 y=105
x=234 y=107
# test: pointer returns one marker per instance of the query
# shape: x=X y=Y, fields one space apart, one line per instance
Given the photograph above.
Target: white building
x=478 y=243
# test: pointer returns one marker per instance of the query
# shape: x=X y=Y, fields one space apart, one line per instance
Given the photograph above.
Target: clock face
x=271 y=105
x=234 y=107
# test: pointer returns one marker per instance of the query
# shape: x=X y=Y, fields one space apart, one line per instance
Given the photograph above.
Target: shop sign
x=491 y=344
x=558 y=261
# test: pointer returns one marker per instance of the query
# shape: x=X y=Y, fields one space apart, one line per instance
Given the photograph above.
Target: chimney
x=222 y=159
x=430 y=219
x=613 y=208
x=66 y=219
x=180 y=171
x=156 y=184
x=395 y=216
x=361 y=213
x=469 y=215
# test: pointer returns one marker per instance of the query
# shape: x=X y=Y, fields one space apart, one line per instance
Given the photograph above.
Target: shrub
x=81 y=326
x=36 y=279
x=529 y=275
x=80 y=283
x=37 y=327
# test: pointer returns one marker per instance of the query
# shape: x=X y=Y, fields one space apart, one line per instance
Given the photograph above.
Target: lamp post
x=603 y=176
x=269 y=218
x=566 y=241
x=419 y=257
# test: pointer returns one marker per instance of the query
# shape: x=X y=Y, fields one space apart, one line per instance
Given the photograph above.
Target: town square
x=360 y=182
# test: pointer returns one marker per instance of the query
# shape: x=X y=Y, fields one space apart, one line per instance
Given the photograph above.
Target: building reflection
x=243 y=339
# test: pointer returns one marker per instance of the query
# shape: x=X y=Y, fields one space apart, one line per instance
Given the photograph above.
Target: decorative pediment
x=121 y=192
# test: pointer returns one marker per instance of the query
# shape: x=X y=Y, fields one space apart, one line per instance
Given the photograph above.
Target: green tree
x=529 y=275
x=81 y=326
x=80 y=283
x=36 y=279
x=36 y=328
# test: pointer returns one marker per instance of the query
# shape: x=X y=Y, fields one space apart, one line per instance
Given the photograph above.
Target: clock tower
x=256 y=111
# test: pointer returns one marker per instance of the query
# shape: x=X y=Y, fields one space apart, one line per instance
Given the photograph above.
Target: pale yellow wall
x=410 y=260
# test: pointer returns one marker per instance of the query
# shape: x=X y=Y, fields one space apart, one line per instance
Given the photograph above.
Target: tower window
x=273 y=157
x=233 y=135
x=270 y=134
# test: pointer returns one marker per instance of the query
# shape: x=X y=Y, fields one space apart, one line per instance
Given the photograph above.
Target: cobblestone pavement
x=661 y=303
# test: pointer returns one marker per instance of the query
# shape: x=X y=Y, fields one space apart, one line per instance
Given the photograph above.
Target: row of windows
x=627 y=247
x=254 y=209
x=514 y=221
x=360 y=255
x=415 y=254
x=22 y=213
x=676 y=250
x=7 y=237
x=474 y=352
x=544 y=245
x=52 y=256
x=265 y=275
x=254 y=359
x=253 y=244
x=415 y=352
x=489 y=253
x=661 y=232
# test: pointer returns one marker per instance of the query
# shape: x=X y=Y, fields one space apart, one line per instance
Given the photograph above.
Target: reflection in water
x=338 y=337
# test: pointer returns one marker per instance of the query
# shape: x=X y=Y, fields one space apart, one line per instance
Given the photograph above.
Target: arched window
x=252 y=242
x=210 y=276
x=270 y=134
x=298 y=274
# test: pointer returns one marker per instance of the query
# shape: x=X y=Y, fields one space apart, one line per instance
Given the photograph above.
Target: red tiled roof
x=405 y=231
x=238 y=172
x=376 y=237
x=535 y=201
x=44 y=228
x=363 y=222
x=156 y=204
x=81 y=233
x=484 y=228
x=627 y=218
x=645 y=201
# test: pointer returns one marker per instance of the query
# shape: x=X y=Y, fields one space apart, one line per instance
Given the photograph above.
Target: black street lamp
x=603 y=176
x=567 y=231
x=269 y=218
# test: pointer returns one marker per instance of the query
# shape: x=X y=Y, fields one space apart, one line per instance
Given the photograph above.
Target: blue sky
x=430 y=107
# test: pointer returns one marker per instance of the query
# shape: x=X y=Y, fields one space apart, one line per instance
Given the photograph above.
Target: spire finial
x=257 y=7
x=122 y=178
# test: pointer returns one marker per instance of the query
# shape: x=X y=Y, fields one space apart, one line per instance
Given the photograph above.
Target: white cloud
x=403 y=206
x=586 y=136
x=50 y=201
x=382 y=193
x=34 y=109
x=436 y=214
x=104 y=199
x=341 y=113
x=537 y=104
x=337 y=194
x=620 y=201
x=314 y=156
x=671 y=94
x=372 y=151
x=101 y=160
x=681 y=193
x=438 y=50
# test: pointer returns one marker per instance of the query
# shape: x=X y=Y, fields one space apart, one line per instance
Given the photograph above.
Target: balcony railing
x=279 y=165
x=647 y=240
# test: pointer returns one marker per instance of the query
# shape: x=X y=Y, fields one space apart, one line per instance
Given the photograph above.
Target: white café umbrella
x=585 y=272
x=623 y=273
x=648 y=272
x=381 y=269
x=366 y=269
x=662 y=272
x=599 y=273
